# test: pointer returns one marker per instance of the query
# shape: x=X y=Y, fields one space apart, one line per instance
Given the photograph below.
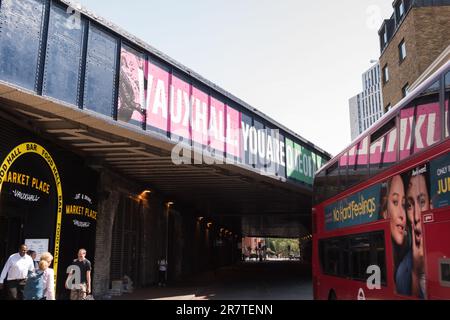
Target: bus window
x=350 y=256
x=447 y=102
x=379 y=254
x=358 y=162
x=330 y=256
x=320 y=182
x=343 y=166
x=444 y=266
x=420 y=122
x=406 y=129
x=345 y=261
x=360 y=252
x=332 y=182
x=383 y=149
x=391 y=143
x=427 y=129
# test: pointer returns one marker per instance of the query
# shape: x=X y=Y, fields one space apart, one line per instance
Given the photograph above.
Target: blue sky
x=297 y=61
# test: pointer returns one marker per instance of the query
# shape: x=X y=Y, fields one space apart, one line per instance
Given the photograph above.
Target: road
x=272 y=280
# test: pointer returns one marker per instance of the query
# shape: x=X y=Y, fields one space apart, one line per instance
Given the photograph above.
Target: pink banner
x=180 y=108
x=216 y=127
x=200 y=116
x=157 y=97
x=186 y=111
x=131 y=86
x=233 y=132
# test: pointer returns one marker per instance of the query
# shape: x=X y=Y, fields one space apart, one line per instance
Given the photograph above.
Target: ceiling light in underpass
x=144 y=194
x=169 y=204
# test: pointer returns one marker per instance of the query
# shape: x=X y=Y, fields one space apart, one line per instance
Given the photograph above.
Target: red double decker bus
x=381 y=214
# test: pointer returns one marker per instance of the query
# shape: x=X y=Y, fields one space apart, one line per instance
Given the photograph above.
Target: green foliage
x=281 y=246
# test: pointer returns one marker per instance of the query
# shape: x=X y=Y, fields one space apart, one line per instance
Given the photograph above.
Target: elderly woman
x=49 y=276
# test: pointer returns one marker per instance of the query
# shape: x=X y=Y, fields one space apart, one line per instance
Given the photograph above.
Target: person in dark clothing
x=80 y=290
x=162 y=267
x=33 y=255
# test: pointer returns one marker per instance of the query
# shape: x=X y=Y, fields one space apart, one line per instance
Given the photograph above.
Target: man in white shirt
x=17 y=268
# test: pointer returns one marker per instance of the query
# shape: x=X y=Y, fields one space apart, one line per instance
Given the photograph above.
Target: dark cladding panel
x=100 y=72
x=63 y=59
x=20 y=38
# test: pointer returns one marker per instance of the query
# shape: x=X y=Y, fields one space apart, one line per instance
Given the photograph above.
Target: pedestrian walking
x=16 y=268
x=162 y=266
x=79 y=291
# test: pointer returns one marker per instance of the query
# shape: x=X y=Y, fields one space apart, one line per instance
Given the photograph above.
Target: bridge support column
x=107 y=208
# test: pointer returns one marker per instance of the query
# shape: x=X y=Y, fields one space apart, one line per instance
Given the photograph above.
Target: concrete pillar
x=178 y=244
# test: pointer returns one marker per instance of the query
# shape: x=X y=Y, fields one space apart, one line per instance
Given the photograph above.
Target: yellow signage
x=6 y=176
x=82 y=211
x=26 y=180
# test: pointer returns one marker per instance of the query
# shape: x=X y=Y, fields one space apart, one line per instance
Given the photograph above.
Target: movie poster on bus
x=405 y=197
x=131 y=105
x=440 y=182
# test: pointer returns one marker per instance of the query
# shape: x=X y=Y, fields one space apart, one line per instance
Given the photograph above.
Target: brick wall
x=426 y=34
x=432 y=33
x=190 y=246
x=107 y=209
x=152 y=237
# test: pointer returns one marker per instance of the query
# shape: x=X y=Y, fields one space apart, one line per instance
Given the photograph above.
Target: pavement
x=270 y=280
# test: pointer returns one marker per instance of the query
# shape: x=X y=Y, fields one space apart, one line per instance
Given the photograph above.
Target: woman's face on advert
x=418 y=201
x=396 y=210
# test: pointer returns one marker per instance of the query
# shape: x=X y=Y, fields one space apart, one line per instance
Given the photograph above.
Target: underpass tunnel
x=146 y=207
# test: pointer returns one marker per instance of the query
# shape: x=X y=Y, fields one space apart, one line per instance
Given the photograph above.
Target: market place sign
x=34 y=148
